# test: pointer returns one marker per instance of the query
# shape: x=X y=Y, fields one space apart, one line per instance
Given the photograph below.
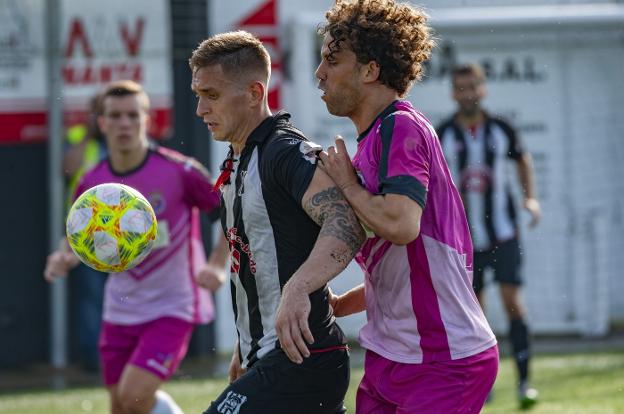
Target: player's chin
x=332 y=108
x=218 y=137
x=335 y=110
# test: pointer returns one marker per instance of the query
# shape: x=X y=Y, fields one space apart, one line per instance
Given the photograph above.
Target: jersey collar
x=389 y=109
x=266 y=127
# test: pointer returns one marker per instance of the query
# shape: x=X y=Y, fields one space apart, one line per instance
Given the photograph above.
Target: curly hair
x=395 y=35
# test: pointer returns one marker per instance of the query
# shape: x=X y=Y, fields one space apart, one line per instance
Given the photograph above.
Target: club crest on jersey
x=476 y=179
x=232 y=403
x=360 y=178
x=158 y=202
x=309 y=151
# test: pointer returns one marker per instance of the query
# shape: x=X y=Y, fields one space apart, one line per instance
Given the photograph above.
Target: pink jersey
x=164 y=283
x=419 y=298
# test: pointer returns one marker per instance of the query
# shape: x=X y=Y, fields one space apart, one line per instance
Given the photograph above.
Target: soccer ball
x=111 y=227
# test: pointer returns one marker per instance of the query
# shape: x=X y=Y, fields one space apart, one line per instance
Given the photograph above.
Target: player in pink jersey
x=429 y=346
x=150 y=310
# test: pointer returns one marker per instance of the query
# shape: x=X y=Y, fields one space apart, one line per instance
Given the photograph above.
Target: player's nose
x=202 y=108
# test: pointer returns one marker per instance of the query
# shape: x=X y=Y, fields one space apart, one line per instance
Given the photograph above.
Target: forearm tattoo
x=332 y=212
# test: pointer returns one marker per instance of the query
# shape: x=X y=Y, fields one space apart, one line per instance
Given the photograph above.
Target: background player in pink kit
x=429 y=346
x=150 y=310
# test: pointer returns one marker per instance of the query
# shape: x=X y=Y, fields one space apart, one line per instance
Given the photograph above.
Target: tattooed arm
x=394 y=217
x=339 y=240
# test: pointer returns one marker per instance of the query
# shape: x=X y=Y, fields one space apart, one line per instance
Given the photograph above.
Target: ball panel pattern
x=79 y=220
x=111 y=227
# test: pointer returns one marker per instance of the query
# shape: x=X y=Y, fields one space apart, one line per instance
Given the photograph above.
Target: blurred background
x=554 y=68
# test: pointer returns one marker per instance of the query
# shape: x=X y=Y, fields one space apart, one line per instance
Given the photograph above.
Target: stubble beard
x=471 y=110
x=342 y=106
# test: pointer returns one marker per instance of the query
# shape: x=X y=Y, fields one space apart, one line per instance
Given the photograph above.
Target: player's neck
x=371 y=106
x=246 y=127
x=124 y=161
x=470 y=120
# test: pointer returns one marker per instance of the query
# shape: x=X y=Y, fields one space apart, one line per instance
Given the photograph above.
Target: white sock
x=165 y=404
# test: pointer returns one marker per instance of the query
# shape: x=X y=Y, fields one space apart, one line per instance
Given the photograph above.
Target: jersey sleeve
x=453 y=155
x=516 y=149
x=198 y=187
x=80 y=188
x=405 y=158
x=84 y=183
x=289 y=164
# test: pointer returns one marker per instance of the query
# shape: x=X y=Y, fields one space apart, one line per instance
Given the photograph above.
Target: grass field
x=591 y=383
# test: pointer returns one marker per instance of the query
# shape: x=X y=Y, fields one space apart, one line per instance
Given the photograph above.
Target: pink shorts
x=459 y=386
x=157 y=346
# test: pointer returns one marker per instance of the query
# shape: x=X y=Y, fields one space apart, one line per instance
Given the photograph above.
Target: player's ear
x=482 y=90
x=101 y=123
x=370 y=72
x=148 y=120
x=256 y=92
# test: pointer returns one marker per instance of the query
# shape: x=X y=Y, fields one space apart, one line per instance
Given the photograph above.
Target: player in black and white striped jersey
x=478 y=148
x=290 y=231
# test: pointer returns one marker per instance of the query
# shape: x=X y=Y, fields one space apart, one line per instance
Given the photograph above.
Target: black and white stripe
x=480 y=171
x=270 y=234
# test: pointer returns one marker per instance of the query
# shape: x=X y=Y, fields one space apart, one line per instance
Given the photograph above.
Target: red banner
x=122 y=40
x=263 y=23
x=31 y=127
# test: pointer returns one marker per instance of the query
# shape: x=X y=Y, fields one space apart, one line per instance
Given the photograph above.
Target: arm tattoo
x=332 y=212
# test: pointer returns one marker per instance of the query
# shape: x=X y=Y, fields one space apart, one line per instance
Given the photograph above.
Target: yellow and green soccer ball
x=111 y=227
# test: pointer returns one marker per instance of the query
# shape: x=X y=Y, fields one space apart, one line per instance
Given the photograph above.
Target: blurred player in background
x=429 y=348
x=85 y=147
x=478 y=146
x=150 y=310
x=290 y=232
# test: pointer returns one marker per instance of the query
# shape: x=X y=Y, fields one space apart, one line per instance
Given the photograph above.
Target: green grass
x=590 y=383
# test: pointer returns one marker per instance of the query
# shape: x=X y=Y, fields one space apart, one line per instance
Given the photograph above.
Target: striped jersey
x=478 y=162
x=270 y=235
x=164 y=283
x=420 y=303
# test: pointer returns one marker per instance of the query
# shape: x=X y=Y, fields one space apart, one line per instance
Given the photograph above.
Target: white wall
x=544 y=74
x=438 y=4
x=561 y=85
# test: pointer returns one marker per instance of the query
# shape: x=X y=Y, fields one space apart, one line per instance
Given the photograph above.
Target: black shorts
x=276 y=385
x=504 y=260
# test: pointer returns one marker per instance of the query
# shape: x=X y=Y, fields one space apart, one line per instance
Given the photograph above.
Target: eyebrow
x=328 y=54
x=204 y=90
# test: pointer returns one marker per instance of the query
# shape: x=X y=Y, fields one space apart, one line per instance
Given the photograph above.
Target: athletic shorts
x=450 y=387
x=276 y=385
x=504 y=260
x=157 y=346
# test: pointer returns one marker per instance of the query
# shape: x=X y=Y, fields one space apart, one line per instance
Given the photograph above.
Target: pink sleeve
x=409 y=151
x=405 y=158
x=80 y=188
x=198 y=187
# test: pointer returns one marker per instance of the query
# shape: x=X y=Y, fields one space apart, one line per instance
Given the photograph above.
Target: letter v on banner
x=262 y=22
